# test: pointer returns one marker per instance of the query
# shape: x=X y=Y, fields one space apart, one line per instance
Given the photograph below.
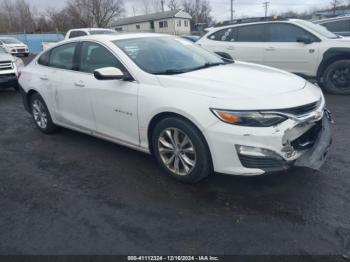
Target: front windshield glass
x=167 y=55
x=319 y=29
x=10 y=41
x=102 y=32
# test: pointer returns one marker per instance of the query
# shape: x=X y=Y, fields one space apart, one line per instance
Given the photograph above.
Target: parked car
x=338 y=25
x=73 y=33
x=297 y=46
x=166 y=96
x=9 y=69
x=14 y=46
x=192 y=38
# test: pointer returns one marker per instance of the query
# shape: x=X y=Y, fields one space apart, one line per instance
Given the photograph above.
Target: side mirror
x=109 y=73
x=304 y=39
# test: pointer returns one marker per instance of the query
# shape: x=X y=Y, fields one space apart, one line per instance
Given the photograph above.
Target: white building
x=175 y=22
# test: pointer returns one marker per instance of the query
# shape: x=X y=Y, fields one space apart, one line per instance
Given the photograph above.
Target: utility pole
x=266 y=6
x=232 y=10
x=162 y=4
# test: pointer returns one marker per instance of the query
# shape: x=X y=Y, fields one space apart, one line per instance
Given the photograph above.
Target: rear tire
x=181 y=150
x=336 y=78
x=41 y=115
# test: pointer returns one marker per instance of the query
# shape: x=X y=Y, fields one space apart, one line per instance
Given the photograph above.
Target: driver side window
x=281 y=32
x=94 y=56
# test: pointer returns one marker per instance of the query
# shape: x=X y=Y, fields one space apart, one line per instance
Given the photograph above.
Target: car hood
x=237 y=80
x=6 y=57
x=15 y=45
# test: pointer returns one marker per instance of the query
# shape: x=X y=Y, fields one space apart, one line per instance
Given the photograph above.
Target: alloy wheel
x=177 y=151
x=39 y=114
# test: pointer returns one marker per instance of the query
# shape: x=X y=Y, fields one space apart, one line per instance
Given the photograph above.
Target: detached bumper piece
x=315 y=143
x=315 y=157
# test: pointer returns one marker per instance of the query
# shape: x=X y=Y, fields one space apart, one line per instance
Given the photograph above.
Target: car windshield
x=319 y=29
x=102 y=32
x=10 y=41
x=2 y=50
x=167 y=55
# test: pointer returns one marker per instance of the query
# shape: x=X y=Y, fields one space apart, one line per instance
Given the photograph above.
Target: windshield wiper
x=171 y=72
x=177 y=71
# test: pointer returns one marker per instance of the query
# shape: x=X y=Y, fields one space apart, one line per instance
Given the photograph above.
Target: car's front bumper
x=8 y=80
x=296 y=142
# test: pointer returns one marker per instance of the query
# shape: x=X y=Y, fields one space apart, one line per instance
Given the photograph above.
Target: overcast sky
x=221 y=8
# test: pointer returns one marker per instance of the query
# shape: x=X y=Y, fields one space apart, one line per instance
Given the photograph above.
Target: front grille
x=6 y=65
x=263 y=163
x=300 y=110
x=7 y=75
x=21 y=50
x=308 y=140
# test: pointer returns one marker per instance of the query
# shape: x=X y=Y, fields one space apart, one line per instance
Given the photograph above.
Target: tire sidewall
x=327 y=82
x=50 y=127
x=203 y=166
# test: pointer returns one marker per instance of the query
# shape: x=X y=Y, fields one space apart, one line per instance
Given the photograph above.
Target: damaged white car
x=195 y=112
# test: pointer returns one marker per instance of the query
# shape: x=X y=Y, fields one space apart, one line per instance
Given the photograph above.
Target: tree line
x=20 y=16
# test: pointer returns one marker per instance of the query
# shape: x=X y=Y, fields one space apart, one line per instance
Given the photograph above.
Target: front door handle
x=44 y=78
x=230 y=48
x=79 y=84
x=271 y=49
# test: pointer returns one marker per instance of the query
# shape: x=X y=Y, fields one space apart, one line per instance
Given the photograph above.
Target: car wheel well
x=328 y=62
x=156 y=119
x=29 y=95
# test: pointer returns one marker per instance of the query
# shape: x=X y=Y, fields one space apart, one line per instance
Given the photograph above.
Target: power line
x=266 y=6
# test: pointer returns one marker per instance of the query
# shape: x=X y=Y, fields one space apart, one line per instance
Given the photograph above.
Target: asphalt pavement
x=70 y=193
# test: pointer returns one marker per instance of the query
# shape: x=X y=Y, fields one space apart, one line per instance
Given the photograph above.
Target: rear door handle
x=230 y=48
x=79 y=84
x=271 y=49
x=44 y=78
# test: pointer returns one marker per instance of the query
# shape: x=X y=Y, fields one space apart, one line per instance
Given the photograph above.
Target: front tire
x=41 y=115
x=181 y=150
x=336 y=78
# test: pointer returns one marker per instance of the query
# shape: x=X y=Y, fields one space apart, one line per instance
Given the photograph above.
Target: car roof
x=122 y=36
x=90 y=29
x=7 y=37
x=289 y=20
x=334 y=19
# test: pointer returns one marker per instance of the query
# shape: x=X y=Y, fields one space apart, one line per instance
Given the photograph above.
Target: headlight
x=249 y=118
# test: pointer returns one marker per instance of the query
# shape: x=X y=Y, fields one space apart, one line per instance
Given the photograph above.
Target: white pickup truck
x=10 y=67
x=80 y=32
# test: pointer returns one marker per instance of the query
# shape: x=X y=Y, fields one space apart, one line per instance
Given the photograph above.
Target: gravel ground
x=74 y=194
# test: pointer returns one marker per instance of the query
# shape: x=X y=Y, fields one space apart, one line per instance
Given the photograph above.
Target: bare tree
x=200 y=10
x=335 y=4
x=91 y=13
x=173 y=4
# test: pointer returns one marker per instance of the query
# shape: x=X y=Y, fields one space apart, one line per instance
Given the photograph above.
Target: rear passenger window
x=44 y=59
x=63 y=56
x=286 y=33
x=228 y=35
x=338 y=26
x=251 y=33
x=77 y=34
x=95 y=56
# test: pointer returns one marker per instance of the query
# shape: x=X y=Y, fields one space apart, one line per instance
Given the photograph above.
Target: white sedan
x=195 y=112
